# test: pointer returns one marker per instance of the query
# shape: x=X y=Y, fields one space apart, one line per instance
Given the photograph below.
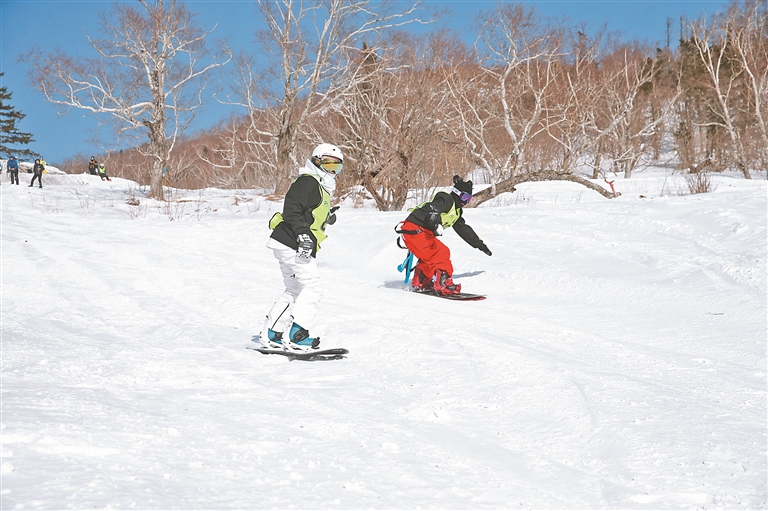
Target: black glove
x=332 y=217
x=304 y=252
x=484 y=248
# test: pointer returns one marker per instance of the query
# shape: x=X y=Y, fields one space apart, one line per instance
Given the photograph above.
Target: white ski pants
x=303 y=290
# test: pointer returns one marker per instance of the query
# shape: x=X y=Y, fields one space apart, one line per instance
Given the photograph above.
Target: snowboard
x=326 y=354
x=465 y=297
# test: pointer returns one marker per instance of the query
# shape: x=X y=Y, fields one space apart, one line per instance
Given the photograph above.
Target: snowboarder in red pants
x=420 y=230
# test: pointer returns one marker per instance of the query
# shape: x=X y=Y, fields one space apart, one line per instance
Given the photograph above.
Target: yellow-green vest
x=320 y=215
x=446 y=219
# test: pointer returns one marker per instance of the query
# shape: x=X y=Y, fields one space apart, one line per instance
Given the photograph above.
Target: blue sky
x=51 y=24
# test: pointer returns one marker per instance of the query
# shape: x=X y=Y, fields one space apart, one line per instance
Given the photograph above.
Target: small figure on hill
x=296 y=236
x=43 y=163
x=37 y=173
x=103 y=172
x=420 y=230
x=13 y=169
x=93 y=166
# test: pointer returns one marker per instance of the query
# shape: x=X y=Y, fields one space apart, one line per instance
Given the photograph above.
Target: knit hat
x=463 y=189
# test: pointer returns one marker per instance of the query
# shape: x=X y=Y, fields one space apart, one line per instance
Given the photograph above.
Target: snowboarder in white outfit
x=295 y=240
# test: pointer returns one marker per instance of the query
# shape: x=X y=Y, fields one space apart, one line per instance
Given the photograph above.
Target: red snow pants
x=432 y=253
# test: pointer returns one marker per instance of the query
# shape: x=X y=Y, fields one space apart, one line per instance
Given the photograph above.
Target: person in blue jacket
x=13 y=169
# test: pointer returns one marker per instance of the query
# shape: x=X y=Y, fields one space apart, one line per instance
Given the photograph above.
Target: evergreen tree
x=11 y=137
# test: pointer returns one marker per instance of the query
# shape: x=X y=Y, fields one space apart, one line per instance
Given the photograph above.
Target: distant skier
x=37 y=173
x=13 y=169
x=420 y=230
x=102 y=170
x=295 y=240
x=93 y=166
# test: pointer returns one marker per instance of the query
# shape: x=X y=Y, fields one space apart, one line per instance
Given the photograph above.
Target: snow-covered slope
x=618 y=362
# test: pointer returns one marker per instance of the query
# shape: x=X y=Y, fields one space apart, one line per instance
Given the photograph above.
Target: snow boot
x=273 y=340
x=300 y=340
x=443 y=284
x=420 y=281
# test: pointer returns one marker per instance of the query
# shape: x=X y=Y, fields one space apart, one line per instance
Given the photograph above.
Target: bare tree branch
x=147 y=80
x=314 y=48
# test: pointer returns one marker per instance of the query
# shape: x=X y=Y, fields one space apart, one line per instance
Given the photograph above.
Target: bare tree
x=598 y=106
x=313 y=48
x=747 y=24
x=237 y=156
x=517 y=53
x=396 y=131
x=503 y=111
x=713 y=44
x=147 y=80
x=636 y=134
x=249 y=139
x=630 y=72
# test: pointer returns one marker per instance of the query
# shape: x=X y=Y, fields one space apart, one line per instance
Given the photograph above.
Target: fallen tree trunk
x=508 y=185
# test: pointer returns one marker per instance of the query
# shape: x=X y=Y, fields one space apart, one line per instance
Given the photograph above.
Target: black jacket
x=302 y=198
x=38 y=169
x=428 y=216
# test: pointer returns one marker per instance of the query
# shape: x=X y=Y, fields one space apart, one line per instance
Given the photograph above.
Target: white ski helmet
x=324 y=150
x=328 y=150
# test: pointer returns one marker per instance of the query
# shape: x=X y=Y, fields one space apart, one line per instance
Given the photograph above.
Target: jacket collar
x=326 y=179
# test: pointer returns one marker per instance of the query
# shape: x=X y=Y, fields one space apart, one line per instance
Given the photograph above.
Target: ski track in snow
x=618 y=362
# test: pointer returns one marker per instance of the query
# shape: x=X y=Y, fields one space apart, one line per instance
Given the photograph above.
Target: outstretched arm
x=468 y=234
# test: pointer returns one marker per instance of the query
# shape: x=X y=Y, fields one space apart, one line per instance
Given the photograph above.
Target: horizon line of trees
x=530 y=100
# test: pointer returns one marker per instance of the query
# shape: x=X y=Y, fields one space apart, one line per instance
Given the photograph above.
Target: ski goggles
x=464 y=197
x=329 y=164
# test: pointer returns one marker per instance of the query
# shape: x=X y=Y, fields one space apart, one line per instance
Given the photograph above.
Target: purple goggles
x=464 y=197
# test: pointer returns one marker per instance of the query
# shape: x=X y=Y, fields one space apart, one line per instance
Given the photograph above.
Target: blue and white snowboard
x=319 y=354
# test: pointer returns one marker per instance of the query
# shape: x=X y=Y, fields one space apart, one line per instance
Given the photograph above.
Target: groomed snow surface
x=619 y=361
